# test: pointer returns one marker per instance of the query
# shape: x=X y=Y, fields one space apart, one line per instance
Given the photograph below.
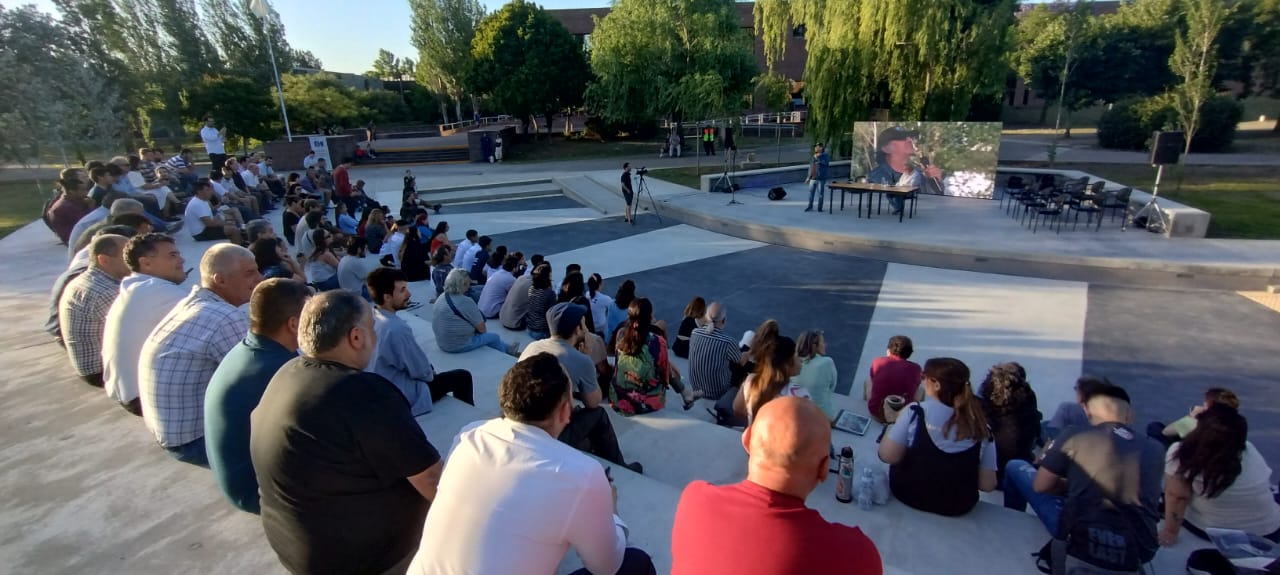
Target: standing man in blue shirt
x=818 y=175
x=399 y=358
x=237 y=385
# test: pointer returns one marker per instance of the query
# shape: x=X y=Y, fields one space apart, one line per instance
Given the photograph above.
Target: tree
x=1128 y=44
x=241 y=37
x=526 y=62
x=385 y=67
x=442 y=33
x=920 y=59
x=1195 y=55
x=305 y=59
x=1050 y=42
x=320 y=100
x=240 y=104
x=682 y=58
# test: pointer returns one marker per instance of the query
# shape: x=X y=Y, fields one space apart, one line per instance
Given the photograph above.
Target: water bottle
x=844 y=483
x=866 y=489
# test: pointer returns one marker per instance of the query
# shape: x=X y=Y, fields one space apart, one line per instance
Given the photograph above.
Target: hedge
x=1128 y=124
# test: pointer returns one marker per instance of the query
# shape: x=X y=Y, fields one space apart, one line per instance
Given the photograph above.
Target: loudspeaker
x=1166 y=147
x=777 y=193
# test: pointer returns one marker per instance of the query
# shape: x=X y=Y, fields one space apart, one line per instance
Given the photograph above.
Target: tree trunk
x=457 y=107
x=1044 y=112
x=444 y=112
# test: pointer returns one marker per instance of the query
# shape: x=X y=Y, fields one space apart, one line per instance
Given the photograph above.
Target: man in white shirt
x=202 y=223
x=495 y=290
x=513 y=499
x=213 y=143
x=463 y=247
x=309 y=161
x=146 y=296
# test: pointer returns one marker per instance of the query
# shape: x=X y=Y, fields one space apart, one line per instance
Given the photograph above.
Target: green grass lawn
x=20 y=203
x=1243 y=200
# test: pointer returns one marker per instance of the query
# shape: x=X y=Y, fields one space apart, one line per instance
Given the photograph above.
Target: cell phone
x=189 y=270
x=608 y=474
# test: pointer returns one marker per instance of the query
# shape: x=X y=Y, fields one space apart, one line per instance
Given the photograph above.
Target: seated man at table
x=894 y=164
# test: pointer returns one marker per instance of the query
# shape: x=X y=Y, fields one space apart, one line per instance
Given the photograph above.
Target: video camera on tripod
x=642 y=171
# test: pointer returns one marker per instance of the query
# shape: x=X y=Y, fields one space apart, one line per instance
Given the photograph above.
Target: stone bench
x=770 y=177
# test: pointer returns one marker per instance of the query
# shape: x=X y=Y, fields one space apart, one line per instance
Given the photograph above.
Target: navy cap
x=564 y=318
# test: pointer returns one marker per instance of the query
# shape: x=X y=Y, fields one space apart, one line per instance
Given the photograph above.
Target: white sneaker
x=747 y=336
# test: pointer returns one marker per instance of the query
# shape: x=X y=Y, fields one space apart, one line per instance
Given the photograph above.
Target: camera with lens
x=642 y=171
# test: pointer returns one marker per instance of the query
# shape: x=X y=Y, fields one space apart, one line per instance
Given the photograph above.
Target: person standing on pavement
x=214 y=139
x=628 y=195
x=818 y=165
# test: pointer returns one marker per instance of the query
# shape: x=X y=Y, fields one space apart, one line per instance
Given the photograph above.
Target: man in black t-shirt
x=345 y=472
x=627 y=194
x=292 y=215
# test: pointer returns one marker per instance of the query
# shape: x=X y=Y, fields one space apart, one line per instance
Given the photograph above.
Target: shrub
x=1128 y=124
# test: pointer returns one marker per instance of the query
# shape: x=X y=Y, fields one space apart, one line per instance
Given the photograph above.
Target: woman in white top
x=1215 y=478
x=394 y=244
x=322 y=265
x=600 y=303
x=776 y=364
x=817 y=371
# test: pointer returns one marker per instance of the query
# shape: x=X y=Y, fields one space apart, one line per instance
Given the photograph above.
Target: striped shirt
x=178 y=360
x=178 y=163
x=710 y=353
x=540 y=300
x=82 y=313
x=454 y=333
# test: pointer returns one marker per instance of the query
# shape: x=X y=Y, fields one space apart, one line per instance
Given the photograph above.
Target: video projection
x=941 y=158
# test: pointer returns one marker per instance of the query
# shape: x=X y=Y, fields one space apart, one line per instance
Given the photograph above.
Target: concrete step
x=490 y=193
x=591 y=193
x=440 y=154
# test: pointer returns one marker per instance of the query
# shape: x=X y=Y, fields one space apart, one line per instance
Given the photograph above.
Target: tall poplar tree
x=442 y=33
x=1195 y=56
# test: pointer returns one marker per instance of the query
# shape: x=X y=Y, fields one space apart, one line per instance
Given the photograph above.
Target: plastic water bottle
x=866 y=489
x=844 y=483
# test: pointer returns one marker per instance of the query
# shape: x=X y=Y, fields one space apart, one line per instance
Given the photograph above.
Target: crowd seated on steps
x=223 y=387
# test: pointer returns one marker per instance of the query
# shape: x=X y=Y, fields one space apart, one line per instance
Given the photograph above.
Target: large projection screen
x=942 y=158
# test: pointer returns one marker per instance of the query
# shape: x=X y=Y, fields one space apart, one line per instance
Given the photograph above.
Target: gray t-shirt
x=453 y=333
x=517 y=303
x=578 y=364
x=352 y=272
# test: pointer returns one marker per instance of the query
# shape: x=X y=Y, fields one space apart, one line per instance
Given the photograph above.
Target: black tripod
x=726 y=177
x=1156 y=223
x=641 y=191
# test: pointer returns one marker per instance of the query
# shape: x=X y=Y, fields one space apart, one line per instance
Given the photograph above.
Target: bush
x=1128 y=124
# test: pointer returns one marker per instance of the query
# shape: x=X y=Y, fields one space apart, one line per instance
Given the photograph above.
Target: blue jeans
x=480 y=340
x=818 y=185
x=192 y=453
x=537 y=335
x=896 y=202
x=1018 y=477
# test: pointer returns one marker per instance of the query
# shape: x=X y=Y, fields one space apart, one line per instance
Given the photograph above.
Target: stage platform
x=974 y=235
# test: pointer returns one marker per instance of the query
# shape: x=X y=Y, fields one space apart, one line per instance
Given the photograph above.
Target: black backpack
x=1105 y=535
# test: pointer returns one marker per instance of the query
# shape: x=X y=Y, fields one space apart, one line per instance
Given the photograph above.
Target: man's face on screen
x=904 y=147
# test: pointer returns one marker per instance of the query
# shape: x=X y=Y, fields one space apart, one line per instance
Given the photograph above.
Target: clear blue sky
x=346 y=34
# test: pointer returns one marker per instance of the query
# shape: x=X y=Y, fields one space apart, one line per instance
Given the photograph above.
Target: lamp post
x=259 y=8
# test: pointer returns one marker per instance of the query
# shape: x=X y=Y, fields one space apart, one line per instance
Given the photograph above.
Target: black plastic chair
x=1088 y=205
x=1117 y=200
x=1054 y=207
x=1013 y=188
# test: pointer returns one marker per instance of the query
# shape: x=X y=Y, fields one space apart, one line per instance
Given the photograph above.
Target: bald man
x=181 y=354
x=761 y=525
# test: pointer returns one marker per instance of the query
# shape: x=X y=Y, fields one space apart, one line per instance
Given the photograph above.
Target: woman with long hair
x=600 y=303
x=817 y=371
x=1216 y=478
x=940 y=451
x=541 y=297
x=414 y=256
x=441 y=265
x=440 y=236
x=771 y=379
x=272 y=257
x=375 y=230
x=644 y=372
x=693 y=313
x=570 y=287
x=618 y=313
x=322 y=265
x=1010 y=406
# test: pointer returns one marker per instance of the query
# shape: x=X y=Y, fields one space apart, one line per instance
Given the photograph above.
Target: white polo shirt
x=212 y=140
x=513 y=499
x=196 y=209
x=143 y=301
x=461 y=253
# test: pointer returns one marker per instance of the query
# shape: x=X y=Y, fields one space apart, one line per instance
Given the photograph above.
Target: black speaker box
x=1166 y=147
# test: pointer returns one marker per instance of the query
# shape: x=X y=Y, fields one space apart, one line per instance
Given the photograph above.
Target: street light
x=260 y=8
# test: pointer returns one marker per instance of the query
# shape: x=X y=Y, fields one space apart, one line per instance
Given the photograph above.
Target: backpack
x=1104 y=535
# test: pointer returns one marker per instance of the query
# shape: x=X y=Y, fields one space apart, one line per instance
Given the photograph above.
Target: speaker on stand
x=1166 y=148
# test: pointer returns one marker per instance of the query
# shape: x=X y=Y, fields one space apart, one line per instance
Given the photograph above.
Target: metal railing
x=485 y=121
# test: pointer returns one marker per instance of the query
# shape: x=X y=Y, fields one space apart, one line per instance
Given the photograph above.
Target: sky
x=346 y=35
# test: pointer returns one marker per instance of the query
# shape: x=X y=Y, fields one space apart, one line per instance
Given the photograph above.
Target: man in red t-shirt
x=342 y=185
x=892 y=375
x=761 y=526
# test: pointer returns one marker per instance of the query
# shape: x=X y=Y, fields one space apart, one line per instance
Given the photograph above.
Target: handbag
x=449 y=301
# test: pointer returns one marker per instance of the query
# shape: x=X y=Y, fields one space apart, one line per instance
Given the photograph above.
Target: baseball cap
x=563 y=318
x=896 y=133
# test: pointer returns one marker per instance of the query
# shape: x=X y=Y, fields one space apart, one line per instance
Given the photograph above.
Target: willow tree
x=920 y=59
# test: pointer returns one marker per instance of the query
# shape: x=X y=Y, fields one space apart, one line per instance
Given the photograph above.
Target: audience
x=202 y=223
x=476 y=259
x=573 y=285
x=258 y=229
x=123 y=212
x=399 y=358
x=97 y=214
x=713 y=355
x=541 y=298
x=344 y=472
x=1215 y=478
x=893 y=374
x=776 y=365
x=322 y=265
x=940 y=452
x=457 y=322
x=72 y=205
x=761 y=525
x=275 y=310
x=817 y=371
x=513 y=499
x=620 y=309
x=274 y=261
x=352 y=268
x=53 y=324
x=495 y=291
x=600 y=304
x=1070 y=414
x=1096 y=487
x=593 y=345
x=1009 y=404
x=1170 y=434
x=181 y=354
x=516 y=306
x=293 y=212
x=304 y=233
x=589 y=428
x=643 y=371
x=463 y=248
x=146 y=296
x=83 y=308
x=693 y=313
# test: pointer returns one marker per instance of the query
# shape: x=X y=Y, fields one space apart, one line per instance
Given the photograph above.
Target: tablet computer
x=852 y=422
